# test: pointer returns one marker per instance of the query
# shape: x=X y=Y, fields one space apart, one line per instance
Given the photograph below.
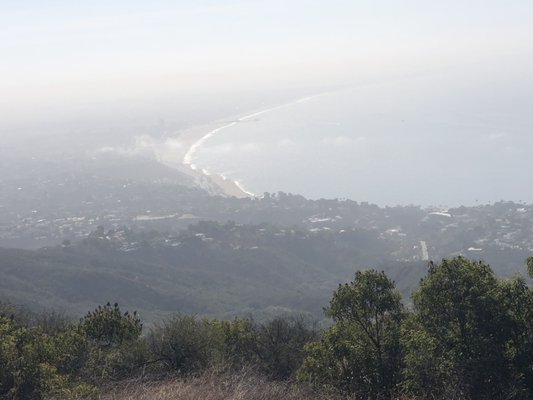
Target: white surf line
x=238 y=184
x=187 y=159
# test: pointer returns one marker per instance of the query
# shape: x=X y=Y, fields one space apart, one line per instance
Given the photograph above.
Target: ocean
x=453 y=137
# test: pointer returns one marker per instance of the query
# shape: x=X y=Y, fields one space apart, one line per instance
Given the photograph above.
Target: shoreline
x=177 y=158
x=191 y=139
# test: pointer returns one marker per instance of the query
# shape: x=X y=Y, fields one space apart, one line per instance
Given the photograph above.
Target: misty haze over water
x=405 y=103
x=458 y=136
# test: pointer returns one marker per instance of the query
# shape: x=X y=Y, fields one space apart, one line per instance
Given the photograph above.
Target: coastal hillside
x=216 y=269
x=209 y=269
x=76 y=232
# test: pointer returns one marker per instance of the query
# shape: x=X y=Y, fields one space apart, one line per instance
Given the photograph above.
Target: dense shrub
x=185 y=343
x=275 y=348
x=108 y=327
x=29 y=365
x=280 y=345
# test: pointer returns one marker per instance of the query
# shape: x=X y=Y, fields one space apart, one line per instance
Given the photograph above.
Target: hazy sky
x=100 y=47
x=106 y=68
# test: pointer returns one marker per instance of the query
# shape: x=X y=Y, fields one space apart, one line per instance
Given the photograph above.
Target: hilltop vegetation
x=467 y=336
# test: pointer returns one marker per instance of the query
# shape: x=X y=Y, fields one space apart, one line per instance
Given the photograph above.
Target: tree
x=530 y=266
x=517 y=298
x=360 y=353
x=459 y=333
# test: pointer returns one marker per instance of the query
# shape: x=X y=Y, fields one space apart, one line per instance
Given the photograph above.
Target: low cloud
x=144 y=146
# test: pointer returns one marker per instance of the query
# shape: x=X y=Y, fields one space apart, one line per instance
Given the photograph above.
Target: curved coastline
x=187 y=159
x=193 y=138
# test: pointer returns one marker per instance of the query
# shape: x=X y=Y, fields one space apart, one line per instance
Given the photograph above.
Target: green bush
x=186 y=344
x=108 y=327
x=469 y=336
x=29 y=360
x=280 y=345
x=239 y=342
x=109 y=344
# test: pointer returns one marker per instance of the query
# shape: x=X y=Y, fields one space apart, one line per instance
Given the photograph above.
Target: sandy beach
x=190 y=140
x=179 y=157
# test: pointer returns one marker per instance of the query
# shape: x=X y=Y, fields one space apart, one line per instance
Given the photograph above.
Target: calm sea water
x=456 y=137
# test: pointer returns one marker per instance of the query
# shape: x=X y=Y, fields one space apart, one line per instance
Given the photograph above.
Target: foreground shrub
x=239 y=342
x=108 y=327
x=186 y=344
x=29 y=361
x=469 y=337
x=280 y=345
x=111 y=344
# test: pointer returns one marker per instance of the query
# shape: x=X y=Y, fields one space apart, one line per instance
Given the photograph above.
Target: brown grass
x=245 y=385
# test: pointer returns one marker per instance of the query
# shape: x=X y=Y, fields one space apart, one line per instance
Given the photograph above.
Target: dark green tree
x=360 y=353
x=456 y=343
x=517 y=298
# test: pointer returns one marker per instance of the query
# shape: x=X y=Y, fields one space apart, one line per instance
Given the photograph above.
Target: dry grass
x=215 y=386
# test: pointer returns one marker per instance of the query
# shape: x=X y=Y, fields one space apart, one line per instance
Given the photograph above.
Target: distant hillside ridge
x=213 y=269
